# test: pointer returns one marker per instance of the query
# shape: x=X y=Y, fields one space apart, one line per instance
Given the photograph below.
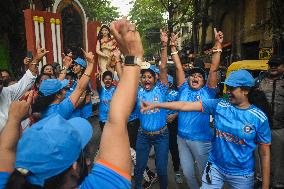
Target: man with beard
x=272 y=84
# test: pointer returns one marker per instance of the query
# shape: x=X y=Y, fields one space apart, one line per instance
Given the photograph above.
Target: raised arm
x=217 y=49
x=114 y=147
x=164 y=58
x=176 y=105
x=67 y=61
x=11 y=133
x=179 y=70
x=84 y=80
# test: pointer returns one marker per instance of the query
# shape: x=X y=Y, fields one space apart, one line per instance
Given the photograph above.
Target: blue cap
x=52 y=86
x=51 y=146
x=155 y=69
x=240 y=78
x=170 y=79
x=81 y=62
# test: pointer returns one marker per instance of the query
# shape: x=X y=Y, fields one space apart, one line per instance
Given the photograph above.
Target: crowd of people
x=46 y=138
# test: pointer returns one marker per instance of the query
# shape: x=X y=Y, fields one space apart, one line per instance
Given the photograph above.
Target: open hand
x=127 y=37
x=40 y=52
x=145 y=106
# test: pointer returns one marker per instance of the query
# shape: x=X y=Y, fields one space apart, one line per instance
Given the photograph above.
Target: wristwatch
x=133 y=60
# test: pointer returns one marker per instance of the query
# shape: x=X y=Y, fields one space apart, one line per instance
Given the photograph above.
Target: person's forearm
x=10 y=135
x=118 y=69
x=265 y=164
x=179 y=70
x=125 y=96
x=216 y=57
x=84 y=80
x=180 y=106
x=162 y=67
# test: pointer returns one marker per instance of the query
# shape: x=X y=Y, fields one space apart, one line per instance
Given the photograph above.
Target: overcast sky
x=123 y=6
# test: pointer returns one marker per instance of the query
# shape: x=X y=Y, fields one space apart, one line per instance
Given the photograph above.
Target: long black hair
x=42 y=102
x=100 y=35
x=258 y=98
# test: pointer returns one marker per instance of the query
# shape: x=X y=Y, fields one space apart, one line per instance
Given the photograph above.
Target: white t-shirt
x=13 y=93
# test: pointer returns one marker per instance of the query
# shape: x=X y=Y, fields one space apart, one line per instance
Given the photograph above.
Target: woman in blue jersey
x=48 y=154
x=52 y=93
x=194 y=133
x=239 y=126
x=153 y=127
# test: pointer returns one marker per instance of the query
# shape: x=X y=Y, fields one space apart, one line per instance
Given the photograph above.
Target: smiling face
x=196 y=81
x=148 y=80
x=276 y=69
x=76 y=69
x=236 y=95
x=107 y=81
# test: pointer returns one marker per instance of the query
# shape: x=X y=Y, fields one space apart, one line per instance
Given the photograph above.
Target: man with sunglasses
x=272 y=84
x=14 y=92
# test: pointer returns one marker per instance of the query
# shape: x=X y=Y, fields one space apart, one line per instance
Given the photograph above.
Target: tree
x=149 y=17
x=100 y=10
x=277 y=26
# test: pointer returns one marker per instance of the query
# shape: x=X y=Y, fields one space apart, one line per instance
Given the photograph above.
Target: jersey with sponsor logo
x=153 y=120
x=237 y=132
x=172 y=95
x=104 y=105
x=194 y=125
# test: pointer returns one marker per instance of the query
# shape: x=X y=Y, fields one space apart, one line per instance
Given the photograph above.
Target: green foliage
x=149 y=17
x=100 y=10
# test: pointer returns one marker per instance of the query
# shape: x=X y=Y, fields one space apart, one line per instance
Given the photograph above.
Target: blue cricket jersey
x=153 y=120
x=194 y=125
x=237 y=132
x=172 y=95
x=104 y=175
x=104 y=105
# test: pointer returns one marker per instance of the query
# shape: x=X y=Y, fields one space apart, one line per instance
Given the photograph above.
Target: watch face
x=130 y=59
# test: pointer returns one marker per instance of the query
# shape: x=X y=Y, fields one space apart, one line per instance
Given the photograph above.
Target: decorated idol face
x=105 y=32
x=196 y=81
x=148 y=80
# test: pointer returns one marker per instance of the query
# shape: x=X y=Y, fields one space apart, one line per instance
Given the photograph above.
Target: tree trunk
x=194 y=27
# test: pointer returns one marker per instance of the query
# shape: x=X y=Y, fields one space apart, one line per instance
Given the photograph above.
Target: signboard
x=265 y=53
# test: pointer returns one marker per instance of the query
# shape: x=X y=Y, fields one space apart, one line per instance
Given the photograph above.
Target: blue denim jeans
x=190 y=152
x=217 y=178
x=143 y=146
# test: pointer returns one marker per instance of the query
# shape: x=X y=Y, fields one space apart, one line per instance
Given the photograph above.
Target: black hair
x=67 y=51
x=42 y=69
x=258 y=98
x=42 y=102
x=18 y=180
x=107 y=73
x=150 y=71
x=100 y=35
x=6 y=70
x=276 y=60
x=37 y=81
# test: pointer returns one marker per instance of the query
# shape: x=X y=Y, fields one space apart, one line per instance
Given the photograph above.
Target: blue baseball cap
x=170 y=79
x=51 y=146
x=81 y=62
x=240 y=78
x=152 y=69
x=52 y=86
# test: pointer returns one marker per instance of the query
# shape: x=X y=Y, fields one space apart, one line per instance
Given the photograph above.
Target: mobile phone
x=29 y=54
